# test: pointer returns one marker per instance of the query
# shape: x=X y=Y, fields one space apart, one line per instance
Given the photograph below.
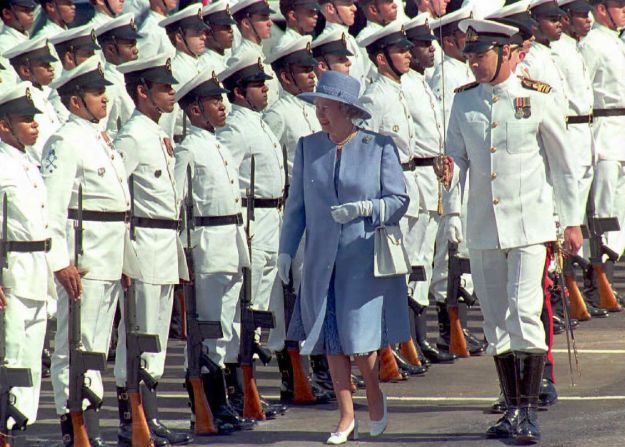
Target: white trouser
x=25 y=330
x=510 y=286
x=438 y=286
x=609 y=197
x=217 y=296
x=586 y=175
x=98 y=303
x=153 y=303
x=422 y=253
x=267 y=294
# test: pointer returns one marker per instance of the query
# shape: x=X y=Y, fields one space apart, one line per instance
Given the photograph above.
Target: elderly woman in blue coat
x=340 y=177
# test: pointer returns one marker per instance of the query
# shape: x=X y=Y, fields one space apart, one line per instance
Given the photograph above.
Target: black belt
x=265 y=203
x=163 y=224
x=215 y=221
x=418 y=162
x=27 y=246
x=100 y=216
x=609 y=112
x=579 y=119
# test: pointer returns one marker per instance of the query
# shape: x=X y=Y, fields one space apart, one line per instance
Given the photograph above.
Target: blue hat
x=337 y=87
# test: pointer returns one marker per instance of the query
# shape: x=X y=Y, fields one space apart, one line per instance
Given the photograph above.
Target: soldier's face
x=127 y=50
x=25 y=128
x=117 y=6
x=346 y=10
x=386 y=9
x=400 y=58
x=95 y=100
x=221 y=35
x=306 y=19
x=423 y=53
x=483 y=65
x=164 y=96
x=66 y=9
x=256 y=94
x=550 y=27
x=262 y=24
x=580 y=23
x=80 y=55
x=616 y=10
x=195 y=40
x=334 y=63
x=215 y=110
x=303 y=77
x=43 y=72
x=24 y=15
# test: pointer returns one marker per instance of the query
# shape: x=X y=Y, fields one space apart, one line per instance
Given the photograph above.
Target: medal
x=522 y=108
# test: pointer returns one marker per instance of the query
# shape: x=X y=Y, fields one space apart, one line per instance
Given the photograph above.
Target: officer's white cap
x=299 y=49
x=390 y=35
x=546 y=8
x=218 y=13
x=207 y=77
x=452 y=18
x=489 y=27
x=334 y=42
x=245 y=61
x=155 y=68
x=482 y=8
x=92 y=66
x=509 y=10
x=191 y=16
x=576 y=5
x=30 y=46
x=122 y=21
x=254 y=6
x=17 y=100
x=80 y=32
x=419 y=20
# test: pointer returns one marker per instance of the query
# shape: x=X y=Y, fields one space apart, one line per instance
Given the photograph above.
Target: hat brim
x=44 y=58
x=549 y=11
x=310 y=98
x=22 y=110
x=580 y=7
x=304 y=61
x=223 y=21
x=423 y=37
x=478 y=47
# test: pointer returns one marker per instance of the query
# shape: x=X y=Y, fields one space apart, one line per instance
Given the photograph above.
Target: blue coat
x=370 y=312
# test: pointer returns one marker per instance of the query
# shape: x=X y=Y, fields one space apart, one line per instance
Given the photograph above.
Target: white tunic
x=154 y=40
x=120 y=105
x=456 y=73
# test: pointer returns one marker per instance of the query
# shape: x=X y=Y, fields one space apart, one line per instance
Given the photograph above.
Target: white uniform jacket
x=604 y=54
x=457 y=73
x=47 y=120
x=27 y=275
x=144 y=148
x=426 y=114
x=154 y=40
x=77 y=154
x=246 y=134
x=215 y=184
x=385 y=100
x=539 y=64
x=507 y=149
x=290 y=119
x=10 y=37
x=120 y=105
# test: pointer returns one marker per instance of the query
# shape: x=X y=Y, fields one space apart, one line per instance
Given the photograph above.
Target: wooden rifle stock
x=252 y=407
x=579 y=311
x=204 y=422
x=81 y=438
x=409 y=352
x=389 y=371
x=607 y=300
x=141 y=436
x=302 y=391
x=457 y=342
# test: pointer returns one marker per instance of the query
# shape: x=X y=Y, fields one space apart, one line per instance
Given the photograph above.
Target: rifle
x=80 y=361
x=9 y=377
x=197 y=332
x=570 y=335
x=408 y=348
x=136 y=344
x=578 y=310
x=457 y=266
x=593 y=231
x=251 y=319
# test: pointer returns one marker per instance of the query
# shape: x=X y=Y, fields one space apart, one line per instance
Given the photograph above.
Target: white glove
x=453 y=228
x=284 y=267
x=349 y=211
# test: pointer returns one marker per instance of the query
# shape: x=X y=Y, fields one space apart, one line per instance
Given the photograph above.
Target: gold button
x=112 y=157
x=493 y=125
x=496 y=202
x=493 y=176
x=43 y=205
x=232 y=182
x=493 y=149
x=236 y=200
x=495 y=98
x=225 y=163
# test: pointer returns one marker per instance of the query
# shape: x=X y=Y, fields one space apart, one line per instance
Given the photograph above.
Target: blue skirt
x=331 y=339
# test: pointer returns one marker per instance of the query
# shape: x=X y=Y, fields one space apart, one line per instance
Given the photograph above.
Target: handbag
x=389 y=254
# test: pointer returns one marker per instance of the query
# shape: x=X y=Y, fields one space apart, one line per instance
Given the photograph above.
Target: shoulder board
x=538 y=86
x=465 y=87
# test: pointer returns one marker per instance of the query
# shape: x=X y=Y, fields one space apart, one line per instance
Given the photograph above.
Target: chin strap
x=338 y=14
x=184 y=41
x=22 y=28
x=7 y=117
x=249 y=17
x=93 y=119
x=390 y=62
x=108 y=8
x=499 y=62
x=249 y=104
x=149 y=94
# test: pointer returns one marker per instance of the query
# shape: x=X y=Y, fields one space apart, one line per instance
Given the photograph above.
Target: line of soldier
x=120 y=150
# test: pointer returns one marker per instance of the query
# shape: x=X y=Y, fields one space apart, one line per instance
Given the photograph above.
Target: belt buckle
x=47 y=245
x=239 y=219
x=179 y=225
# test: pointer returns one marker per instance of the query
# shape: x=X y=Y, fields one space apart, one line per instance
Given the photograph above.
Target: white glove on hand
x=284 y=267
x=349 y=211
x=453 y=229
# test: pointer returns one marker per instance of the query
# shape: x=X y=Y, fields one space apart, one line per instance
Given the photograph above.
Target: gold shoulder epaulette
x=466 y=87
x=538 y=86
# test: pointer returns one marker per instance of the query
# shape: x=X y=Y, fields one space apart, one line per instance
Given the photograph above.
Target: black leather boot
x=321 y=374
x=46 y=362
x=215 y=389
x=286 y=375
x=548 y=394
x=67 y=430
x=431 y=352
x=505 y=427
x=408 y=368
x=474 y=345
x=499 y=406
x=124 y=432
x=92 y=422
x=150 y=406
x=529 y=370
x=232 y=374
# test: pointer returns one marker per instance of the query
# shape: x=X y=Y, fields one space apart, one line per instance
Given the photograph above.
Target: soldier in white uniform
x=301 y=19
x=217 y=228
x=105 y=10
x=340 y=15
x=32 y=62
x=331 y=53
x=510 y=210
x=25 y=273
x=245 y=79
x=148 y=155
x=73 y=47
x=186 y=30
x=59 y=15
x=80 y=154
x=118 y=39
x=17 y=18
x=605 y=59
x=154 y=40
x=379 y=13
x=219 y=37
x=252 y=17
x=426 y=114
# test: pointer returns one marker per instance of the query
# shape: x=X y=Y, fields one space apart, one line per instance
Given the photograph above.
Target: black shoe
x=124 y=437
x=505 y=427
x=358 y=381
x=434 y=355
x=173 y=437
x=529 y=370
x=548 y=394
x=264 y=354
x=97 y=442
x=408 y=368
x=321 y=378
x=596 y=312
x=275 y=408
x=499 y=406
x=527 y=430
x=474 y=344
x=227 y=415
x=560 y=322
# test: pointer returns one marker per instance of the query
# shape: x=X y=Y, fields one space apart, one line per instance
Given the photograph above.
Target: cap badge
x=132 y=24
x=28 y=95
x=344 y=39
x=199 y=13
x=93 y=36
x=100 y=69
x=260 y=65
x=215 y=78
x=168 y=64
x=308 y=48
x=472 y=35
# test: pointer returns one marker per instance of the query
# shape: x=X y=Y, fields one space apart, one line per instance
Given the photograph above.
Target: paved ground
x=444 y=408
